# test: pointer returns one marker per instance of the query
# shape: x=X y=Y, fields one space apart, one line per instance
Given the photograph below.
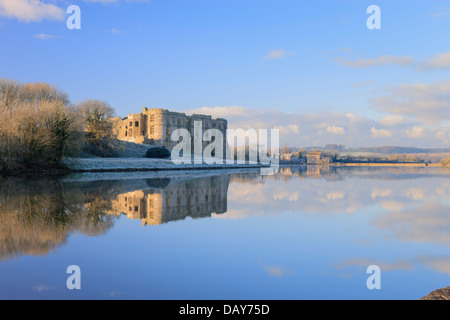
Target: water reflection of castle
x=167 y=200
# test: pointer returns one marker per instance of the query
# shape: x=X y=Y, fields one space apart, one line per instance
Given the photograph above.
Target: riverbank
x=141 y=164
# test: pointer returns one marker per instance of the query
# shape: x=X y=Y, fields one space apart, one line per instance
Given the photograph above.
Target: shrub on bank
x=158 y=153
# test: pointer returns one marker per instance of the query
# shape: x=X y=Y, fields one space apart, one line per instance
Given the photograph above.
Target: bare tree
x=285 y=149
x=97 y=116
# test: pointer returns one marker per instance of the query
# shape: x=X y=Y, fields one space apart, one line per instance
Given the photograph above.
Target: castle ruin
x=154 y=126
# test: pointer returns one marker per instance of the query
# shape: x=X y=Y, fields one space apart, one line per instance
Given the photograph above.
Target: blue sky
x=310 y=68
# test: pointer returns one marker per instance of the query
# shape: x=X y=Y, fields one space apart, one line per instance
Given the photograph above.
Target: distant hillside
x=399 y=150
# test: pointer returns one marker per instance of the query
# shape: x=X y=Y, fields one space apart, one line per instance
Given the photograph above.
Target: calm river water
x=301 y=234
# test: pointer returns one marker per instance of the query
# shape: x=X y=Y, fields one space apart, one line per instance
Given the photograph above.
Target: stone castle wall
x=155 y=126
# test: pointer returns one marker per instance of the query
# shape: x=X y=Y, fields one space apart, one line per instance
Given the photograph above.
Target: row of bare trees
x=38 y=125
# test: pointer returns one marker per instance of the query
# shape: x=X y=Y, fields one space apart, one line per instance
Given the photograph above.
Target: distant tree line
x=334 y=152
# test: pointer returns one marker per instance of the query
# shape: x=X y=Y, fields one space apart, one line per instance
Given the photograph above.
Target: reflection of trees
x=93 y=221
x=38 y=215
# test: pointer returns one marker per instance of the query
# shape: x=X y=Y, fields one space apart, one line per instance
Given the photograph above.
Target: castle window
x=136 y=208
x=136 y=123
x=152 y=118
x=131 y=124
x=152 y=129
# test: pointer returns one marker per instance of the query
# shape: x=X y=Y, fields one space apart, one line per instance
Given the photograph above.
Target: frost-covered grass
x=140 y=164
x=130 y=156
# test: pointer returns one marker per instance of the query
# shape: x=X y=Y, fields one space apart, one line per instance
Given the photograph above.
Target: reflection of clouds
x=243 y=192
x=443 y=189
x=439 y=264
x=384 y=266
x=286 y=195
x=435 y=263
x=345 y=192
x=41 y=287
x=276 y=271
x=376 y=192
x=392 y=205
x=415 y=193
x=290 y=194
x=338 y=191
x=336 y=195
x=114 y=293
x=235 y=214
x=428 y=223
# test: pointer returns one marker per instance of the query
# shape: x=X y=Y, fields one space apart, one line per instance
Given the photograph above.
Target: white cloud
x=115 y=31
x=443 y=136
x=39 y=10
x=380 y=133
x=277 y=54
x=289 y=129
x=415 y=132
x=321 y=128
x=113 y=1
x=445 y=11
x=439 y=61
x=30 y=10
x=101 y=1
x=335 y=130
x=364 y=83
x=379 y=61
x=429 y=103
x=221 y=112
x=43 y=36
x=392 y=120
